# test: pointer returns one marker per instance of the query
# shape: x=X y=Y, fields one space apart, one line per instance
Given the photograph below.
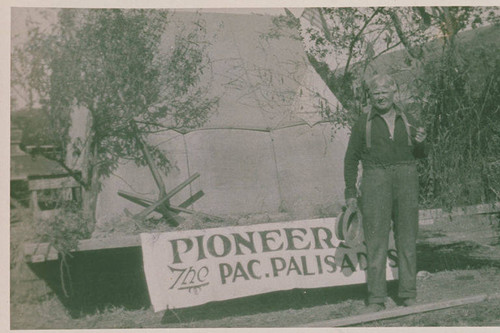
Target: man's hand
x=352 y=204
x=421 y=135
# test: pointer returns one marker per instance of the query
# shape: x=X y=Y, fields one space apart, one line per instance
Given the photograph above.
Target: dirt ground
x=457 y=258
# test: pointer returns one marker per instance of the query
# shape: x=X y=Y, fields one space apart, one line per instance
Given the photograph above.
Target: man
x=387 y=143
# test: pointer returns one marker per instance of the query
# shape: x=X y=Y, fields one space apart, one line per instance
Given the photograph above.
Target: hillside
x=480 y=40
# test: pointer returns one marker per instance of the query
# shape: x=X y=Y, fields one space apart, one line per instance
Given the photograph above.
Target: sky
x=21 y=15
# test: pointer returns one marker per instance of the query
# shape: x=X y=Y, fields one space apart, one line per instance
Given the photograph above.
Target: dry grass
x=297 y=308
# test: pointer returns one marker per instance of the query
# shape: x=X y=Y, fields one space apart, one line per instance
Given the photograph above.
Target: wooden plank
x=427 y=216
x=152 y=208
x=40 y=252
x=171 y=218
x=166 y=198
x=192 y=199
x=402 y=311
x=426 y=222
x=189 y=211
x=52 y=183
x=476 y=209
x=138 y=201
x=109 y=243
x=178 y=209
x=185 y=183
x=145 y=202
x=133 y=196
x=484 y=235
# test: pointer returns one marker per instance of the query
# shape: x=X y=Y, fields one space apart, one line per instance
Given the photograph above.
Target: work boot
x=409 y=301
x=374 y=307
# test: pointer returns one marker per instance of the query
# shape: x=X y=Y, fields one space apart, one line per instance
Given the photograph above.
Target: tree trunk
x=89 y=201
x=90 y=177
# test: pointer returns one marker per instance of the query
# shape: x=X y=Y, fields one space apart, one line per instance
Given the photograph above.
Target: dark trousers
x=390 y=193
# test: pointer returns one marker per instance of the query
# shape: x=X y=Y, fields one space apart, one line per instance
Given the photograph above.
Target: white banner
x=193 y=267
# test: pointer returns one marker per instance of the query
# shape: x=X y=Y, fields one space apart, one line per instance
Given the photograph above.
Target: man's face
x=382 y=98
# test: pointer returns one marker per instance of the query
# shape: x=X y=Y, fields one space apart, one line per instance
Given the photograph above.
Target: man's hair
x=381 y=80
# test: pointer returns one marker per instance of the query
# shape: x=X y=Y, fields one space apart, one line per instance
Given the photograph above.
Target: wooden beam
x=402 y=311
x=139 y=202
x=145 y=202
x=476 y=209
x=171 y=218
x=40 y=252
x=135 y=197
x=192 y=199
x=427 y=216
x=51 y=183
x=178 y=209
x=190 y=211
x=166 y=198
x=109 y=243
x=185 y=183
x=151 y=208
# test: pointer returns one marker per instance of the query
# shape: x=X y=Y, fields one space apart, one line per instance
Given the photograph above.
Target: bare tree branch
x=357 y=37
x=413 y=52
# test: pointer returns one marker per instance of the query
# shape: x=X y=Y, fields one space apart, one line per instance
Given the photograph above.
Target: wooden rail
x=428 y=216
x=40 y=252
x=402 y=311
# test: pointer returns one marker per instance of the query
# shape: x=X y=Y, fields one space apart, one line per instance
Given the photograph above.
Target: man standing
x=387 y=143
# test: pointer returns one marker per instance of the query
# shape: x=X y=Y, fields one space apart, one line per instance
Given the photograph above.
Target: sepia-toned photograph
x=254 y=167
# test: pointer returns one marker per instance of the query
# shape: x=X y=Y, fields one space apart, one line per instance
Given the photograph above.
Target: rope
x=255 y=129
